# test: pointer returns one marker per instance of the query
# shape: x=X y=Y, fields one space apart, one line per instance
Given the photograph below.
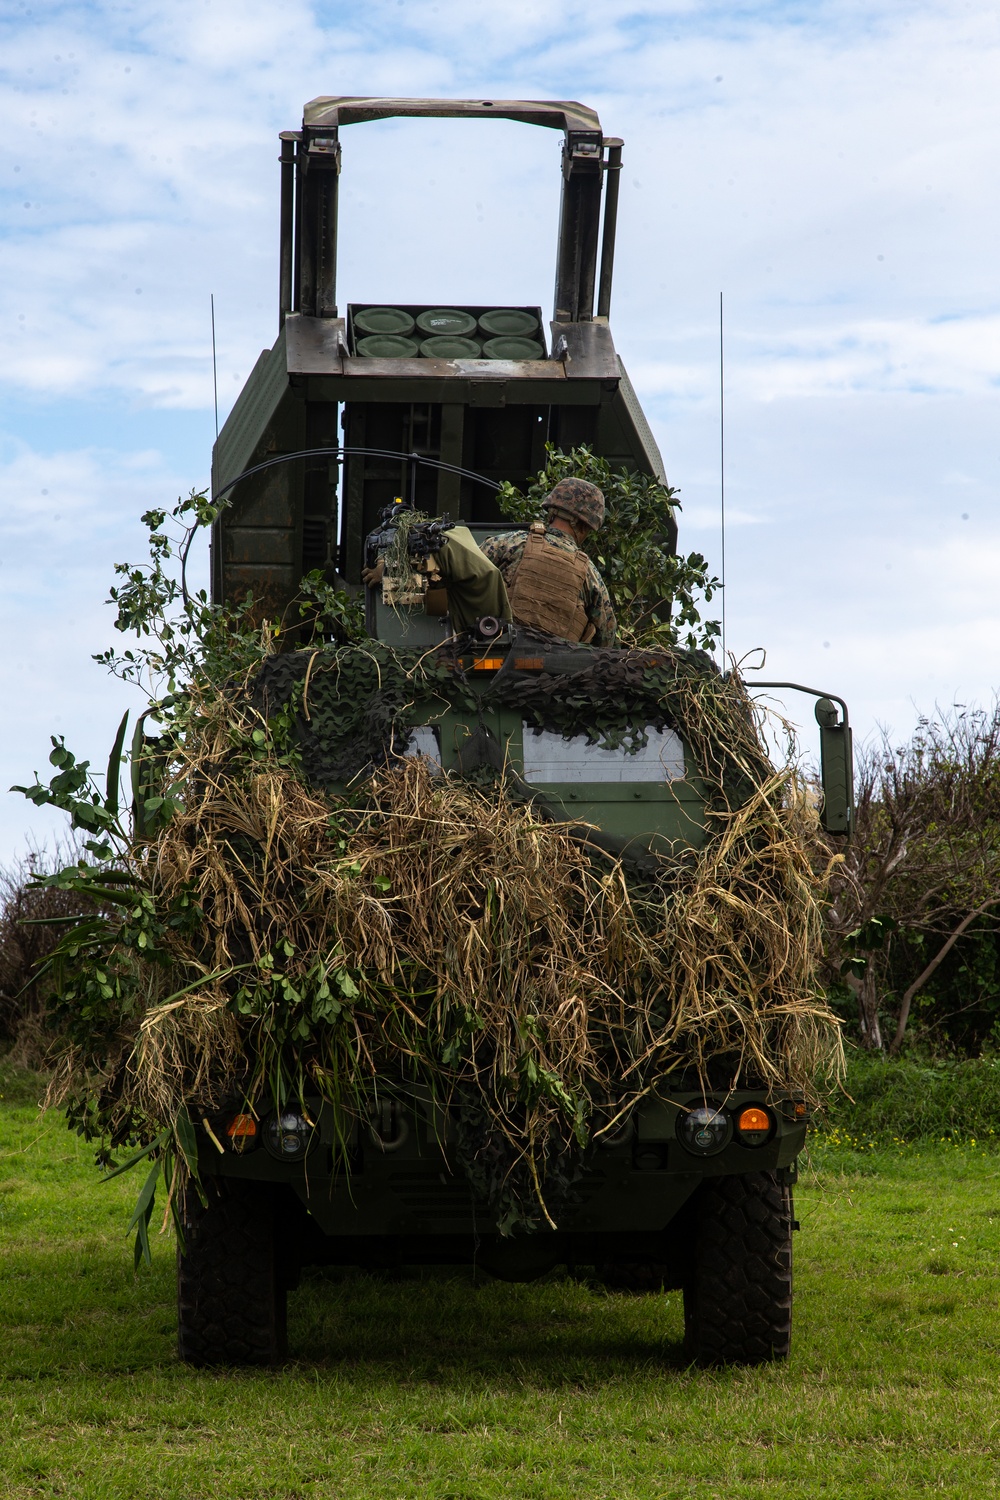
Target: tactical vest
x=546 y=590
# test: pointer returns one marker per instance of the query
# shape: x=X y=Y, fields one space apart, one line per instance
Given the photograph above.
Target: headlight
x=704 y=1131
x=288 y=1135
x=754 y=1125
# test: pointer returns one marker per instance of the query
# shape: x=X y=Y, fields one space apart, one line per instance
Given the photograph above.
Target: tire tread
x=230 y=1302
x=738 y=1298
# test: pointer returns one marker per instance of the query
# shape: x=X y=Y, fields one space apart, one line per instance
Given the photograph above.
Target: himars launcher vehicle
x=354 y=406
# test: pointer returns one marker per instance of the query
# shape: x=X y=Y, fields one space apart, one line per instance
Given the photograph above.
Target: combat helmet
x=577 y=498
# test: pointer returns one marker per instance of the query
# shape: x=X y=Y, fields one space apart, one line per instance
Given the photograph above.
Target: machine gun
x=405 y=565
x=416 y=562
x=424 y=540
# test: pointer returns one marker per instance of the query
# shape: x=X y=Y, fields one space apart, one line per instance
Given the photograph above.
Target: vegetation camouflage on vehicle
x=283 y=945
x=255 y=939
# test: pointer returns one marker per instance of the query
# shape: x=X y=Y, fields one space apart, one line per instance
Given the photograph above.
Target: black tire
x=738 y=1296
x=231 y=1296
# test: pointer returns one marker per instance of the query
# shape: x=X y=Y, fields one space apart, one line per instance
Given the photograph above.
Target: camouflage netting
x=440 y=934
x=354 y=706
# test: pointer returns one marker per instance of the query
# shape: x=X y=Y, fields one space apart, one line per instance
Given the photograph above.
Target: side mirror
x=836 y=758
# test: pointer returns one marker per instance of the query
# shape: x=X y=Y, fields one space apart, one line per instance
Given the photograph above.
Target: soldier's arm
x=605 y=629
x=497 y=550
x=501 y=550
x=600 y=611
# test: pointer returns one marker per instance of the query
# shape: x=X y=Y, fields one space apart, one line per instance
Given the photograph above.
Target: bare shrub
x=32 y=920
x=923 y=871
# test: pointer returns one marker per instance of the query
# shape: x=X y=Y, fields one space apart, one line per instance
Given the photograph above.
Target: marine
x=551 y=582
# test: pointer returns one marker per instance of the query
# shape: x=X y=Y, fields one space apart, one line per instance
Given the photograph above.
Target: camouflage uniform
x=506 y=550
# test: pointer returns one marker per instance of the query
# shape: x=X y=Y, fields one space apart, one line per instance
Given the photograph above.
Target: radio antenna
x=215 y=372
x=722 y=473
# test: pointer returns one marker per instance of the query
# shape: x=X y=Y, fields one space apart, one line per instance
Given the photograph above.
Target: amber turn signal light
x=242 y=1132
x=753 y=1125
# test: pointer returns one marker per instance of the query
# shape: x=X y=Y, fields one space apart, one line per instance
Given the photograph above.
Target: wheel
x=738 y=1295
x=230 y=1291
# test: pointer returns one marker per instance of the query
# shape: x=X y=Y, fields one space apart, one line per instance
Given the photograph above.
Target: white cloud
x=773 y=154
x=67 y=518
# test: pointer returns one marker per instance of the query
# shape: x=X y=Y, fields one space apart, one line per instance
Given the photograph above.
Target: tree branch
x=943 y=951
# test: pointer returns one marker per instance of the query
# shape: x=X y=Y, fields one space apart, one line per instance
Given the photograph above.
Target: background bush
x=916 y=1098
x=32 y=920
x=915 y=915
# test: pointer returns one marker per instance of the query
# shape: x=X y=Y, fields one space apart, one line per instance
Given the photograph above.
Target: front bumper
x=409 y=1183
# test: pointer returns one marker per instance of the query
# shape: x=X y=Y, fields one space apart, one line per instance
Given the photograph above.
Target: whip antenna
x=722 y=475
x=215 y=372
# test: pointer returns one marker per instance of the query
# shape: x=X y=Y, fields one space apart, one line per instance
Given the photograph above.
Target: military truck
x=355 y=410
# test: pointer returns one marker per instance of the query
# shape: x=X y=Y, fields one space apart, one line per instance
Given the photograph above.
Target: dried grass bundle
x=435 y=935
x=439 y=934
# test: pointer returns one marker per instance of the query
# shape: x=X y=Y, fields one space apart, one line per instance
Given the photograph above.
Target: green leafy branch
x=183 y=636
x=658 y=596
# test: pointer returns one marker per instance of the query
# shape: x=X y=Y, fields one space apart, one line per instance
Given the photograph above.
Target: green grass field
x=433 y=1387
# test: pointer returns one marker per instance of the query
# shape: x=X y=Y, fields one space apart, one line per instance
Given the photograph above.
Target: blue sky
x=829 y=167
